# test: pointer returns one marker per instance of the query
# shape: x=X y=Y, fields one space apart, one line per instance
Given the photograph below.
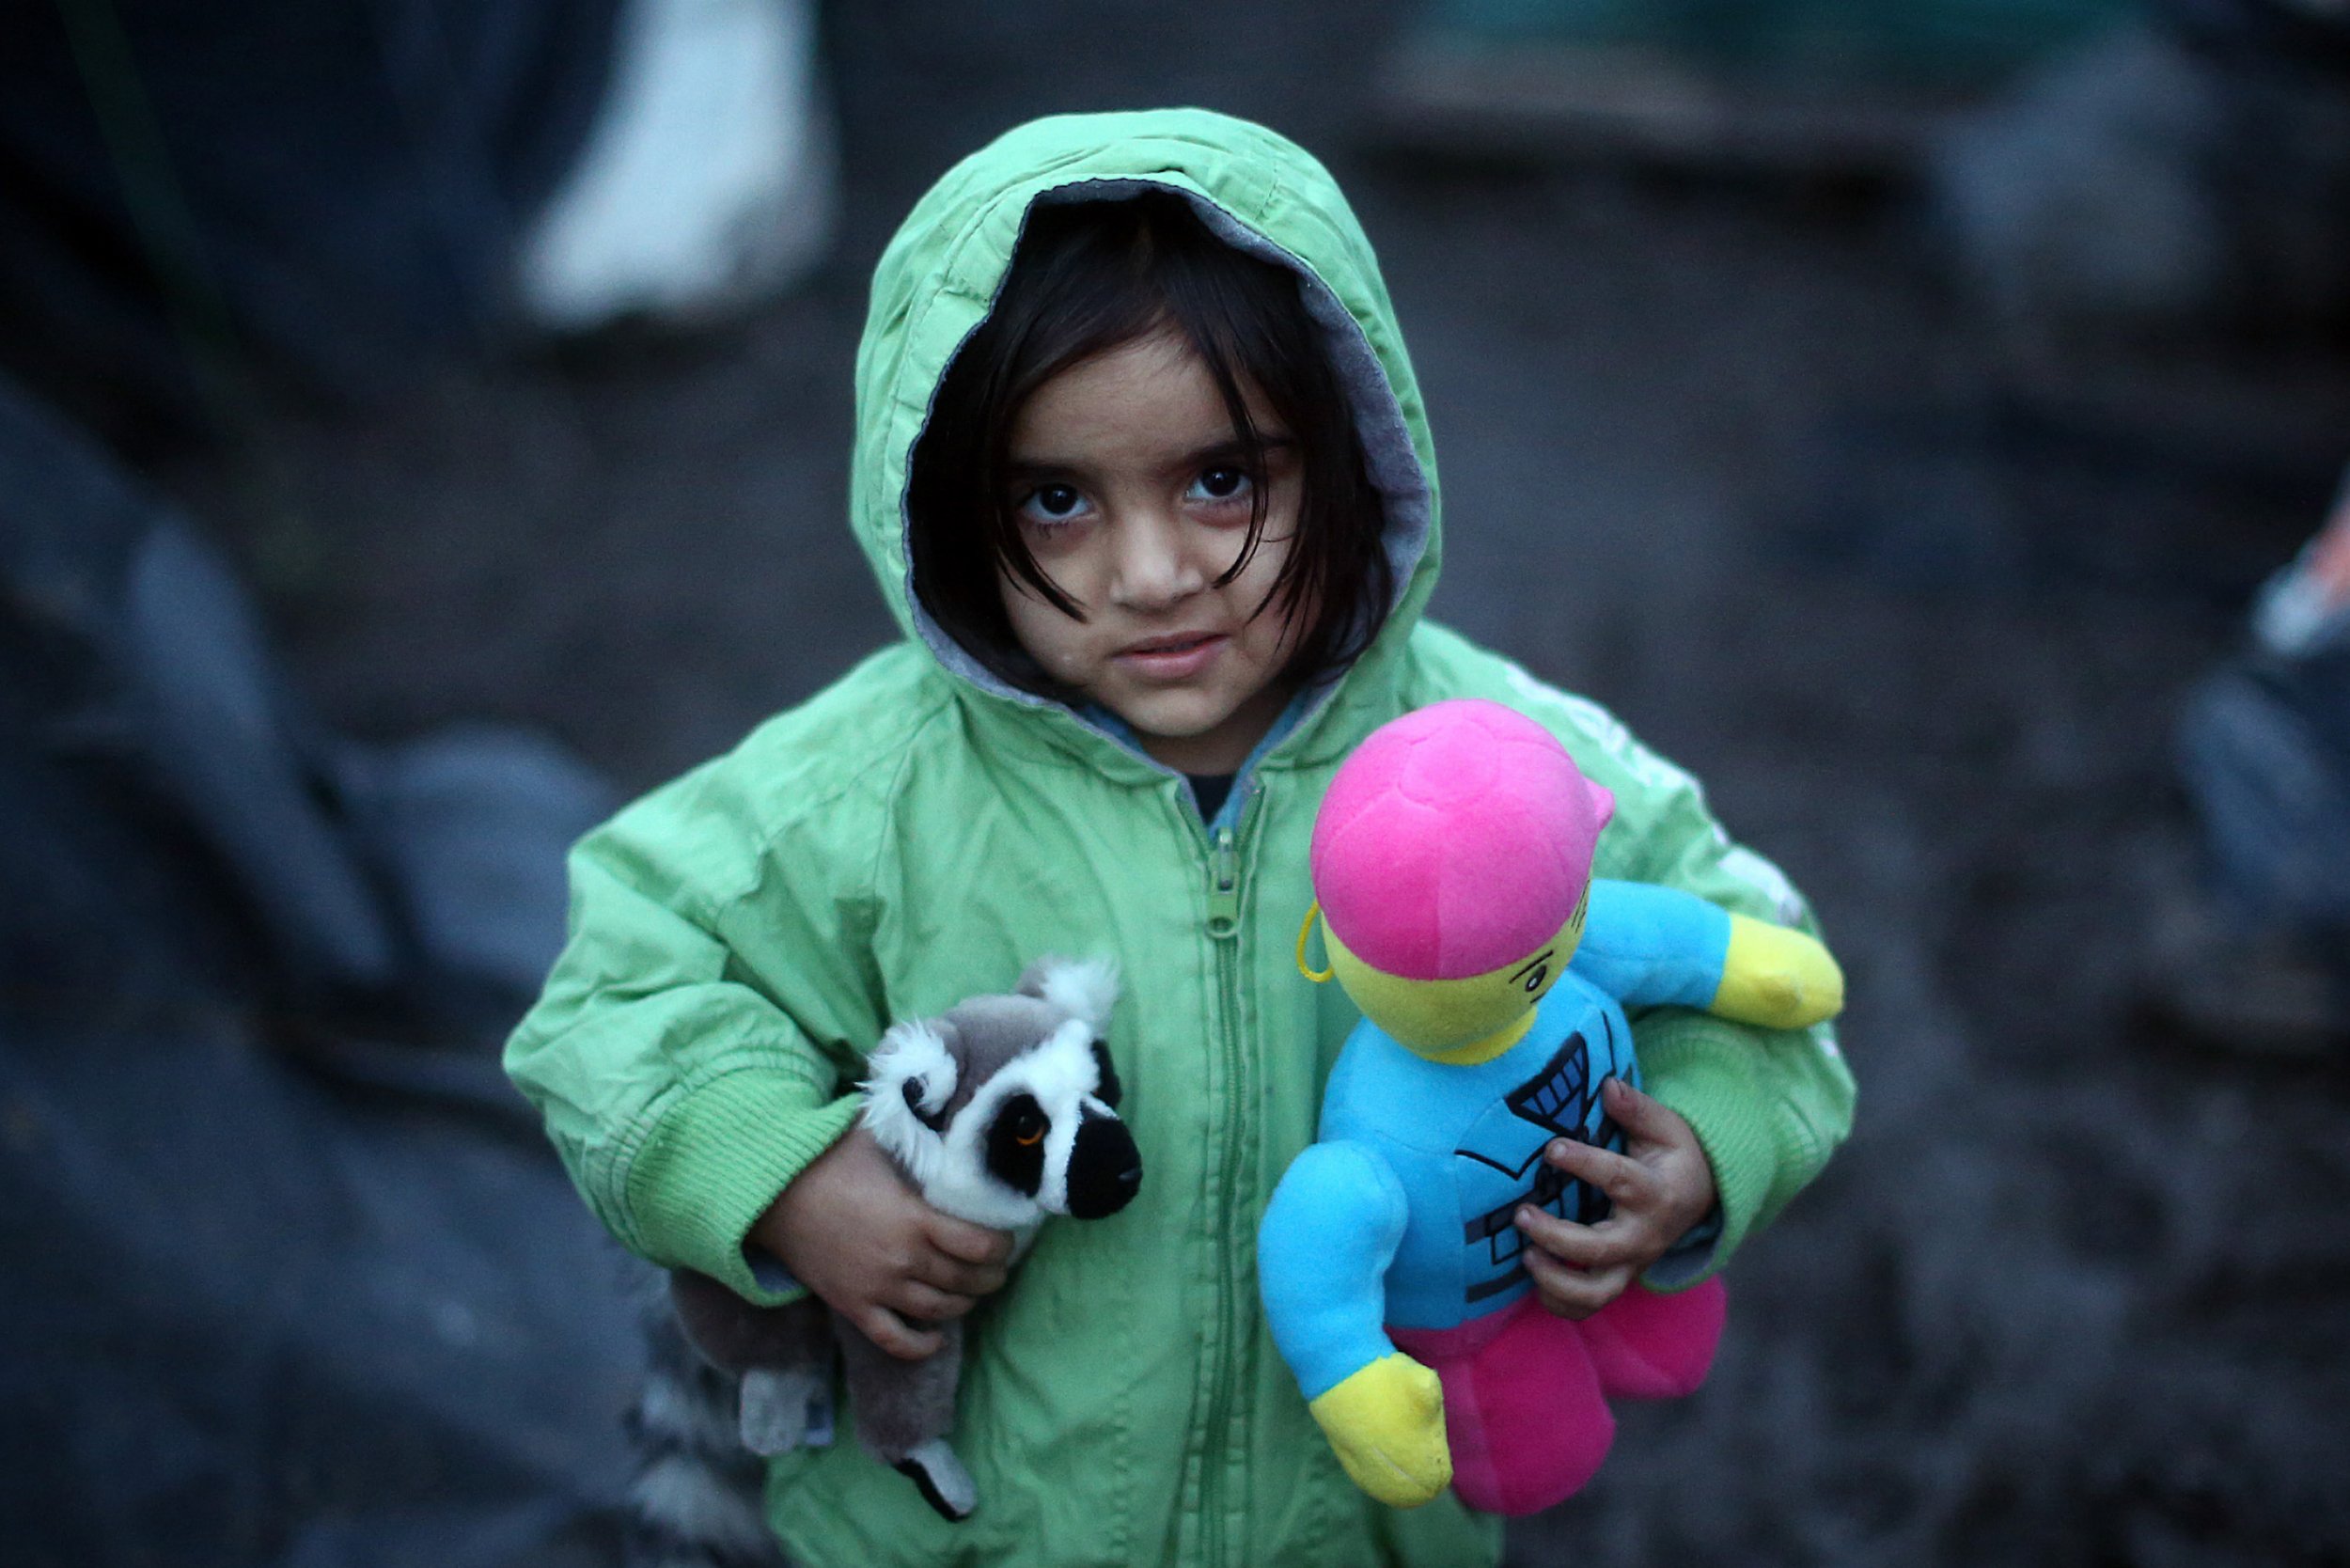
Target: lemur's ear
x=1084 y=988
x=913 y=1075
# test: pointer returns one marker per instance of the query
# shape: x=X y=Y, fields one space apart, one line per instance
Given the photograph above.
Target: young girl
x=1142 y=470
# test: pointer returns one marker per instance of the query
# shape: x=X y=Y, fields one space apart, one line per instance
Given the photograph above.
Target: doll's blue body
x=1401 y=1215
x=1465 y=1144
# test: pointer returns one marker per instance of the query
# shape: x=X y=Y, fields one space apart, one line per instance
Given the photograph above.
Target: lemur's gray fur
x=1000 y=1112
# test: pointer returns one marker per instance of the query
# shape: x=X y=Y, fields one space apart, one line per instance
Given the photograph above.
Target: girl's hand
x=1660 y=1186
x=852 y=1230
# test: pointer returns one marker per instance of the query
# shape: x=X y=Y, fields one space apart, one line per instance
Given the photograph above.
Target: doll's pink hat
x=1455 y=840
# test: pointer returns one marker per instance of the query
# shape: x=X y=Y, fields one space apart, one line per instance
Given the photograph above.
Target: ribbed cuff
x=718 y=1158
x=1688 y=1260
x=1703 y=1069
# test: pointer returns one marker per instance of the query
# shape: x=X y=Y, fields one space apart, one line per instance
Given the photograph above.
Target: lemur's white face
x=1010 y=1151
x=1040 y=1136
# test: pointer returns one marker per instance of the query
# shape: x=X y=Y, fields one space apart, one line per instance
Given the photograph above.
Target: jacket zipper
x=1224 y=932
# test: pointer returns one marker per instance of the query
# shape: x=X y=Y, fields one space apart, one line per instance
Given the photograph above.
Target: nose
x=1105 y=1167
x=1157 y=559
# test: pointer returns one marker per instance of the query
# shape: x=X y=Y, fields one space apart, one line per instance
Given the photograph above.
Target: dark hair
x=1087 y=277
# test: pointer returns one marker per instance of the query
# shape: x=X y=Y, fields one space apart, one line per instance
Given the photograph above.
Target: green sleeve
x=681 y=1089
x=1769 y=1106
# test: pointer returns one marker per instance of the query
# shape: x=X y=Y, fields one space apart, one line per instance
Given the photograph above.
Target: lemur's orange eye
x=1028 y=1140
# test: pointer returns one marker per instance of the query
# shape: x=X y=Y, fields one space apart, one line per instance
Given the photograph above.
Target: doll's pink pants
x=1525 y=1393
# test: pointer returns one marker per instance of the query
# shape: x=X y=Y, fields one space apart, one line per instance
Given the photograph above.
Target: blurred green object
x=1837 y=86
x=1945 y=44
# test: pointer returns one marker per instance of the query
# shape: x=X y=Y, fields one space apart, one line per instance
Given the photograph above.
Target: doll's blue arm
x=1652 y=946
x=1322 y=1253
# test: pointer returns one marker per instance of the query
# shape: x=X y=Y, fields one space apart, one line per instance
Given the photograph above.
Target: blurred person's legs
x=347 y=188
x=305 y=1287
x=293 y=1277
x=2261 y=960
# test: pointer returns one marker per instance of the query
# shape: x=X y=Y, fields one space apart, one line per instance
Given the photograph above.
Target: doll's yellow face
x=1442 y=1017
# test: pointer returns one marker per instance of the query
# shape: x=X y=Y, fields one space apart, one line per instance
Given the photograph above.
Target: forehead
x=991 y=1031
x=1151 y=399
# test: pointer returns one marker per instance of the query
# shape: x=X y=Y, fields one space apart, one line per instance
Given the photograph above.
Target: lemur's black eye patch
x=1015 y=1143
x=1109 y=1091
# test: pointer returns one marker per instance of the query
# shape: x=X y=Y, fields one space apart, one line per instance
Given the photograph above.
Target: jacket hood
x=1262 y=193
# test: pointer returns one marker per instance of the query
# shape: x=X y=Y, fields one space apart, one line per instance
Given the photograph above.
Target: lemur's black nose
x=1105 y=1167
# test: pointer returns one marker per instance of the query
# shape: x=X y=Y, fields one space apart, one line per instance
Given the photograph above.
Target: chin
x=1179 y=718
x=1177 y=723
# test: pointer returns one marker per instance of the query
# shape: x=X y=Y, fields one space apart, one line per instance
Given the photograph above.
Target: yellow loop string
x=1304 y=932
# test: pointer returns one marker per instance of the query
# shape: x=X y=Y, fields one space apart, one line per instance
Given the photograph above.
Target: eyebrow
x=1228 y=450
x=1533 y=963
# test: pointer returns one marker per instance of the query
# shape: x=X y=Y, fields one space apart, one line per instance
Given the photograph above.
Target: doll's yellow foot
x=1386 y=1423
x=1777 y=977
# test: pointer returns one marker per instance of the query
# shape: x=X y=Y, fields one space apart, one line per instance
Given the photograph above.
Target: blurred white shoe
x=708 y=182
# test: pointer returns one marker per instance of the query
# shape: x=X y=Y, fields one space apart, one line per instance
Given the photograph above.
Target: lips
x=1174 y=656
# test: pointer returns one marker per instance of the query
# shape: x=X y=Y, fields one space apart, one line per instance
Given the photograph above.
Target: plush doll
x=1001 y=1111
x=1451 y=872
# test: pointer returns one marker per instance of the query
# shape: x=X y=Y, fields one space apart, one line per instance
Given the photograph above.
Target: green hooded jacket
x=918 y=832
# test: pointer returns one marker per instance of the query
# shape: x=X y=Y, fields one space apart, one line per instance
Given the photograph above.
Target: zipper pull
x=1224 y=888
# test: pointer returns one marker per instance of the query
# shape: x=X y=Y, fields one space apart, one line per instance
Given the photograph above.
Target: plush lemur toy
x=1451 y=871
x=1001 y=1111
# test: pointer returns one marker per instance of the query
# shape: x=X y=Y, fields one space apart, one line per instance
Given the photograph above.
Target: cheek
x=1042 y=631
x=1017 y=605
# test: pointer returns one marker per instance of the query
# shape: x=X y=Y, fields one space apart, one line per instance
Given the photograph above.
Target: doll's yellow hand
x=1777 y=977
x=1386 y=1424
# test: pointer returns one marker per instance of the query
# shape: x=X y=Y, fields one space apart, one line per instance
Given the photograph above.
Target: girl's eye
x=1048 y=505
x=1219 y=484
x=1534 y=981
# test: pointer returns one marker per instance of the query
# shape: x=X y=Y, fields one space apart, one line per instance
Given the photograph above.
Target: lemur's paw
x=945 y=1485
x=1779 y=977
x=1386 y=1423
x=776 y=1409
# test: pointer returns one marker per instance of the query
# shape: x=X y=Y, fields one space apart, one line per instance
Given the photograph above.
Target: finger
x=1627 y=1183
x=1585 y=1247
x=952 y=1274
x=919 y=1303
x=1571 y=1293
x=971 y=1244
x=896 y=1337
x=1644 y=1118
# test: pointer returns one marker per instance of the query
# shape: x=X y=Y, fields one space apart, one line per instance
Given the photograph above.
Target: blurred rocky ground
x=1736 y=457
